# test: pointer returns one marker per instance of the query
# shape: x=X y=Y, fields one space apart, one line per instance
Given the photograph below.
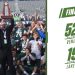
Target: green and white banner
x=62 y=37
x=67 y=12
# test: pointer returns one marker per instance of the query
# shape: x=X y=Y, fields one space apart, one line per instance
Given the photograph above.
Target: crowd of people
x=28 y=45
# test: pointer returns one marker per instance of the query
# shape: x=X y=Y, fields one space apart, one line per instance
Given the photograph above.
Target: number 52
x=70 y=29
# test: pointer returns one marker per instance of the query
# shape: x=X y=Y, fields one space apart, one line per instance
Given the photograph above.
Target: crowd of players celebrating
x=28 y=44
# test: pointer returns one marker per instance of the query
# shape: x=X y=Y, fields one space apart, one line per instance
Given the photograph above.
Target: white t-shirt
x=35 y=48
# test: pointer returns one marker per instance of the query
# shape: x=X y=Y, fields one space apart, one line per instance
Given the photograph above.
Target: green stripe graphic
x=67 y=12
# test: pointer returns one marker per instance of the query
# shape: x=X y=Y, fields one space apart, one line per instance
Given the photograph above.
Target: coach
x=5 y=48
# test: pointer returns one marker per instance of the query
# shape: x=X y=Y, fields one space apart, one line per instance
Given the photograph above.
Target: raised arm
x=11 y=26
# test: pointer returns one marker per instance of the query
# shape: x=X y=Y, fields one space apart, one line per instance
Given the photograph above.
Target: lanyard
x=24 y=44
x=28 y=61
x=5 y=40
x=4 y=34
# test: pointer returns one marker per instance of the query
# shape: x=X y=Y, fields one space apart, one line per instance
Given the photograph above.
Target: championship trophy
x=6 y=13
